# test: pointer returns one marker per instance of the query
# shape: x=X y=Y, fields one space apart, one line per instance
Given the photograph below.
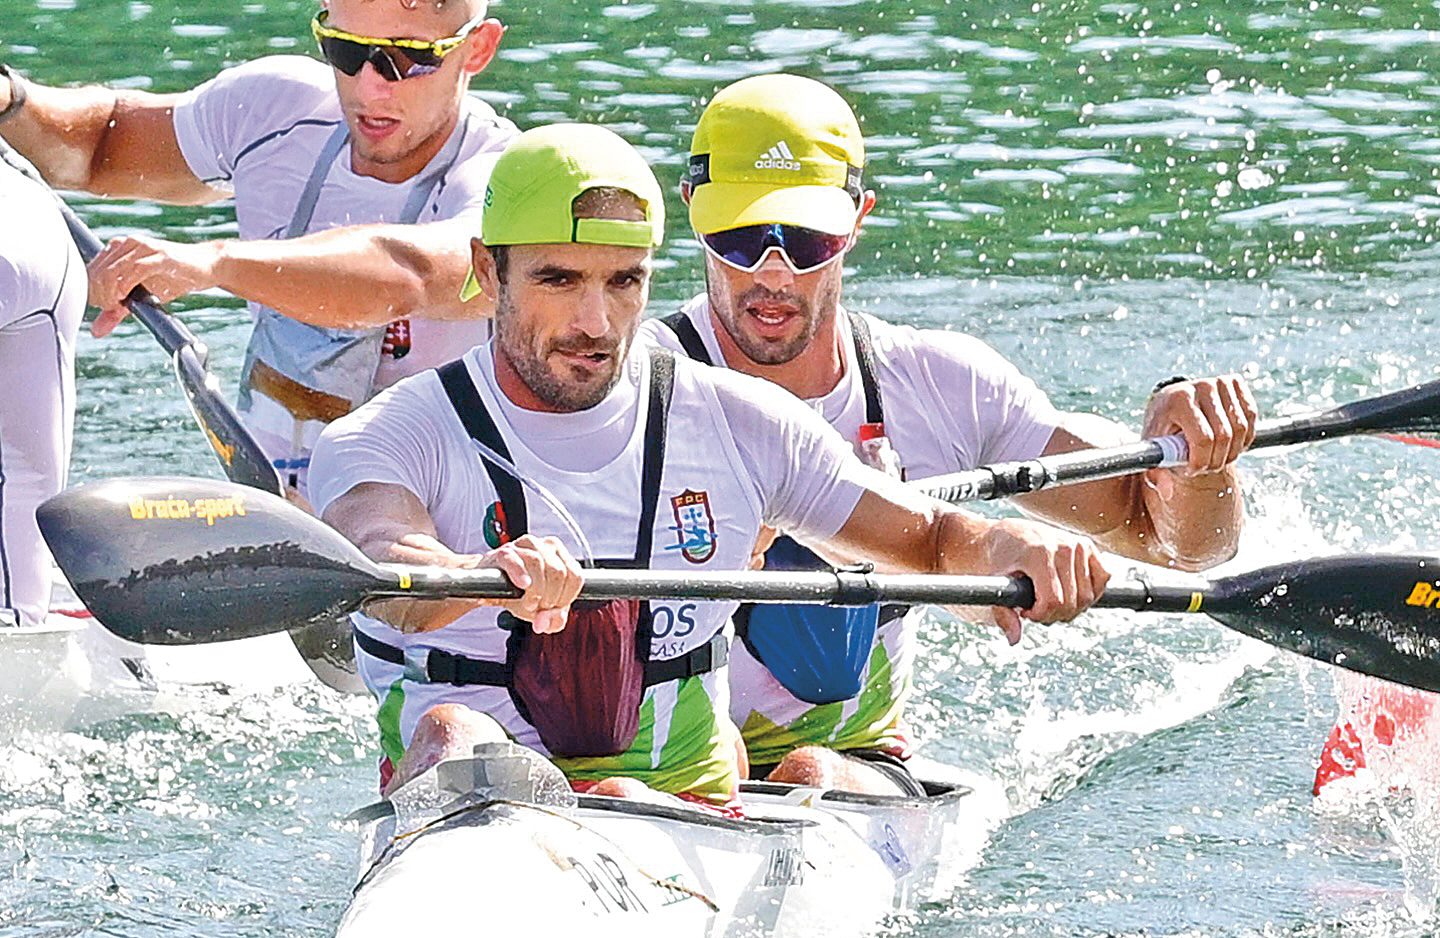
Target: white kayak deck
x=511 y=857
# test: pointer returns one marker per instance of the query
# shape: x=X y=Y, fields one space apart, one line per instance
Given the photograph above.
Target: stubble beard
x=403 y=149
x=761 y=351
x=521 y=349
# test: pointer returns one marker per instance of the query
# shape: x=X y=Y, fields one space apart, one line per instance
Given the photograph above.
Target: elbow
x=1208 y=555
x=1198 y=550
x=407 y=299
x=408 y=281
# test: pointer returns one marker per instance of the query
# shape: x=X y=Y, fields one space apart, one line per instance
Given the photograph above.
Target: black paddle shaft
x=185 y=561
x=240 y=456
x=1410 y=410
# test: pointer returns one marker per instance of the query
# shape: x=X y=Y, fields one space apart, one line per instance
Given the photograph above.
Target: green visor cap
x=534 y=185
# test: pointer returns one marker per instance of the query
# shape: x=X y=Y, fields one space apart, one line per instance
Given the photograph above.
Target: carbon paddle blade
x=1411 y=410
x=1376 y=614
x=172 y=561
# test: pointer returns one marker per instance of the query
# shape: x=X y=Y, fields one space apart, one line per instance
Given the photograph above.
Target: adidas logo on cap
x=778 y=157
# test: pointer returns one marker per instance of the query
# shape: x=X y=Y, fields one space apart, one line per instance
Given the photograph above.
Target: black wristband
x=1162 y=385
x=17 y=93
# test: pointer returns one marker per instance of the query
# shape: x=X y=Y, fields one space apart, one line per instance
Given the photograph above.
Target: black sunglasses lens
x=413 y=63
x=740 y=246
x=805 y=247
x=345 y=55
x=809 y=248
x=392 y=62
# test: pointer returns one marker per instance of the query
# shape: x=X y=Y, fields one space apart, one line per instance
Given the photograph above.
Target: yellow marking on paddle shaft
x=226 y=453
x=1196 y=600
x=404 y=581
x=208 y=510
x=1424 y=595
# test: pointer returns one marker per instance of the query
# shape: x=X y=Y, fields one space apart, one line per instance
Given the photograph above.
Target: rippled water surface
x=1110 y=193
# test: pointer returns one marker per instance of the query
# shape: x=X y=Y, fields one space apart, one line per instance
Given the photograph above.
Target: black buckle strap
x=455 y=378
x=865 y=360
x=708 y=657
x=433 y=666
x=443 y=667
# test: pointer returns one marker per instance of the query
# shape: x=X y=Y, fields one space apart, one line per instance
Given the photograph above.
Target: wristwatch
x=17 y=93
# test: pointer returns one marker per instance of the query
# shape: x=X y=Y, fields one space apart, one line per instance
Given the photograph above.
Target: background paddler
x=776 y=192
x=354 y=186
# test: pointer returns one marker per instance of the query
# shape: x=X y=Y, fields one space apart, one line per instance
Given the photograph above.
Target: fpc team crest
x=694 y=526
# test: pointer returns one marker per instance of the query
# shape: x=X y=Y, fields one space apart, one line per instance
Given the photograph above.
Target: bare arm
x=1190 y=517
x=358 y=276
x=351 y=277
x=119 y=144
x=391 y=525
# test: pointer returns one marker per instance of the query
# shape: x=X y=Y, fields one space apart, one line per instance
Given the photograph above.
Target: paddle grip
x=168 y=331
x=1008 y=479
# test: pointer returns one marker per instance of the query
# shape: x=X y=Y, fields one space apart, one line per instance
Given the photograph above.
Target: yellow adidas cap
x=776 y=149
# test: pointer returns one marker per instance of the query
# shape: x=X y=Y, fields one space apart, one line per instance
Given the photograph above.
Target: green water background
x=1108 y=192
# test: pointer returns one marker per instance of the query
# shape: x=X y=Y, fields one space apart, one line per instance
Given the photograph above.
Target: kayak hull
x=803 y=862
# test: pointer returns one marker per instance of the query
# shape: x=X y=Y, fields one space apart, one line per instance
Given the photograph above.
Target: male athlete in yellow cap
x=777 y=198
x=559 y=439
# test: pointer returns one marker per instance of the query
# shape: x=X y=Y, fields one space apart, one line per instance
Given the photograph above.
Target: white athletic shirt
x=40 y=269
x=754 y=455
x=257 y=129
x=42 y=299
x=950 y=403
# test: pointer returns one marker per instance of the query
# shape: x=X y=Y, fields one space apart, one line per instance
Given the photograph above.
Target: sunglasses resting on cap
x=394 y=59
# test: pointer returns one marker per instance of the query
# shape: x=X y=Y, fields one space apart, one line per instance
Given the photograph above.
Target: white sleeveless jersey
x=735 y=459
x=950 y=403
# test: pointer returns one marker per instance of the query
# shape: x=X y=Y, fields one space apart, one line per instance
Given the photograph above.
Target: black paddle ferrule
x=856 y=586
x=1019 y=478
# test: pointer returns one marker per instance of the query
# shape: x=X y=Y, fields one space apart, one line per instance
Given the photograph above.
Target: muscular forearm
x=1196 y=524
x=1192 y=524
x=924 y=536
x=352 y=277
x=391 y=526
x=414 y=615
x=119 y=144
x=1189 y=520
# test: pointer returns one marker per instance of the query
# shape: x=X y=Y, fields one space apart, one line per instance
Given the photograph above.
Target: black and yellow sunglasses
x=394 y=59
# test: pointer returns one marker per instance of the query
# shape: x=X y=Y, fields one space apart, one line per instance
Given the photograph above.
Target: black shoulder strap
x=689 y=337
x=479 y=424
x=657 y=426
x=865 y=358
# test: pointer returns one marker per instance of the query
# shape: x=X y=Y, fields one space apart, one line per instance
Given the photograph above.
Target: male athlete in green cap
x=560 y=440
x=777 y=199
